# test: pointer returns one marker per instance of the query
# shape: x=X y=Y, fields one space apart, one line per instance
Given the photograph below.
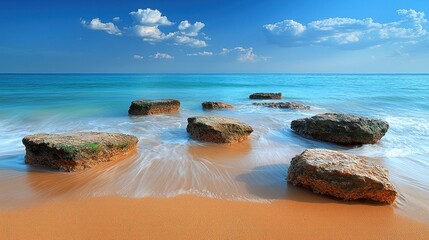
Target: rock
x=266 y=96
x=76 y=151
x=290 y=105
x=344 y=176
x=341 y=128
x=218 y=129
x=149 y=107
x=215 y=105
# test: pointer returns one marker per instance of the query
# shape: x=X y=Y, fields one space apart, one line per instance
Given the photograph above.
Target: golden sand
x=190 y=217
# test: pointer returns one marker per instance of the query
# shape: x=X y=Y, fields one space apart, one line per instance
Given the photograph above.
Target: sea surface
x=168 y=163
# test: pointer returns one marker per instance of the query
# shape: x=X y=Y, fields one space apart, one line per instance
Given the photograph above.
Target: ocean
x=169 y=163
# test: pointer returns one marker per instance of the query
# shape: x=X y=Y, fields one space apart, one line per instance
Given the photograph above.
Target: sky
x=178 y=36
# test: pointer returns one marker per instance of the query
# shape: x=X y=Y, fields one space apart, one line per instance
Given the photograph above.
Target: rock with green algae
x=340 y=175
x=218 y=129
x=76 y=151
x=150 y=107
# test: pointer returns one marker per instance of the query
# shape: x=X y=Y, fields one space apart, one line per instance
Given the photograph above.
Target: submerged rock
x=76 y=151
x=290 y=105
x=266 y=96
x=218 y=129
x=149 y=107
x=341 y=128
x=215 y=105
x=344 y=176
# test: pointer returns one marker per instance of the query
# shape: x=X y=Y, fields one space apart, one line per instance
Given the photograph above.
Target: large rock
x=215 y=105
x=266 y=96
x=149 y=107
x=344 y=176
x=289 y=105
x=76 y=151
x=218 y=129
x=341 y=128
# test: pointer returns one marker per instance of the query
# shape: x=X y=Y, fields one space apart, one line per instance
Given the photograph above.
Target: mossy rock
x=76 y=151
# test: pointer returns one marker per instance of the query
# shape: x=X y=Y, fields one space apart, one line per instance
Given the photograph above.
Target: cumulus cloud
x=348 y=32
x=147 y=24
x=204 y=53
x=96 y=24
x=138 y=57
x=243 y=54
x=159 y=55
x=191 y=30
x=150 y=17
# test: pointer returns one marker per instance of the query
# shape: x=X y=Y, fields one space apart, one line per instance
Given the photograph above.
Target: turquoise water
x=169 y=163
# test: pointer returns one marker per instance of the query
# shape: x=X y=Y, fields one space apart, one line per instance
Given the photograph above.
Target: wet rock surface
x=339 y=128
x=266 y=96
x=216 y=105
x=150 y=107
x=288 y=105
x=218 y=129
x=340 y=175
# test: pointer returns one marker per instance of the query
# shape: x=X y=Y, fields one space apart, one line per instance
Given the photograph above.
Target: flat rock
x=289 y=105
x=340 y=175
x=218 y=129
x=149 y=107
x=266 y=96
x=76 y=151
x=343 y=129
x=215 y=105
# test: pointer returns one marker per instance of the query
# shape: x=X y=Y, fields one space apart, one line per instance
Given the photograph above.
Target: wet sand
x=190 y=217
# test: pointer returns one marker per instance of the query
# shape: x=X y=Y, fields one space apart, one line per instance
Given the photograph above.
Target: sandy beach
x=190 y=217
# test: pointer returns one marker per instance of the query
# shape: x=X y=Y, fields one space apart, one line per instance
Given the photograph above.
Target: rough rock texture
x=215 y=105
x=290 y=105
x=76 y=151
x=218 y=129
x=344 y=176
x=149 y=107
x=341 y=128
x=266 y=96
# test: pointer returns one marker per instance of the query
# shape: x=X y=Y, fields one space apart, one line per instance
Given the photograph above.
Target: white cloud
x=205 y=53
x=149 y=21
x=116 y=19
x=96 y=24
x=243 y=54
x=349 y=32
x=162 y=56
x=138 y=57
x=150 y=17
x=191 y=30
x=147 y=25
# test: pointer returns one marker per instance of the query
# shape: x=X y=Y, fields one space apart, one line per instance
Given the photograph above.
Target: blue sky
x=165 y=36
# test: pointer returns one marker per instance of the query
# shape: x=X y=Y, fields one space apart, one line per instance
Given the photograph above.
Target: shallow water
x=169 y=163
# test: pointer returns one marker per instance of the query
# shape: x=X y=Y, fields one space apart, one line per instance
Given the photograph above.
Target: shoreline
x=187 y=216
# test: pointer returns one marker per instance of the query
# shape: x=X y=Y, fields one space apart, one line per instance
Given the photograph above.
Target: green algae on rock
x=218 y=129
x=76 y=151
